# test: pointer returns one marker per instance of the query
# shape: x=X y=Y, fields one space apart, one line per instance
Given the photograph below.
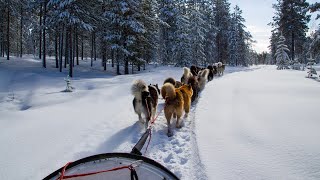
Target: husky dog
x=212 y=72
x=154 y=94
x=178 y=84
x=195 y=70
x=143 y=102
x=193 y=81
x=177 y=100
x=220 y=68
x=203 y=78
x=168 y=80
x=186 y=75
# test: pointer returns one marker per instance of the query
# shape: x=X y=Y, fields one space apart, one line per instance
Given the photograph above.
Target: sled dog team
x=178 y=95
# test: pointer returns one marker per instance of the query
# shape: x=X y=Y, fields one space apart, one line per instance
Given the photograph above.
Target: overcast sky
x=258 y=13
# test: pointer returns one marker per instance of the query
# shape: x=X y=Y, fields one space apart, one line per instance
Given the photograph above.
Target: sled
x=115 y=166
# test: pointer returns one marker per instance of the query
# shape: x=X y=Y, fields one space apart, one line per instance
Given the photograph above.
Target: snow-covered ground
x=261 y=124
x=252 y=123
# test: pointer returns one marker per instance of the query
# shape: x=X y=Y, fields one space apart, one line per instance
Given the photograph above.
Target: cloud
x=261 y=35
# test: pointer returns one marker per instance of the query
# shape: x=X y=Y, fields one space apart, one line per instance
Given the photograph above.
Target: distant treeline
x=179 y=32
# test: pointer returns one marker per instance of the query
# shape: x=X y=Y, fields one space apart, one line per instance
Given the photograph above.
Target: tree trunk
x=56 y=47
x=61 y=48
x=126 y=66
x=104 y=56
x=44 y=63
x=40 y=32
x=21 y=25
x=292 y=45
x=73 y=45
x=81 y=47
x=8 y=31
x=95 y=46
x=112 y=58
x=1 y=33
x=118 y=64
x=77 y=47
x=70 y=53
x=91 y=49
x=139 y=67
x=66 y=55
x=132 y=68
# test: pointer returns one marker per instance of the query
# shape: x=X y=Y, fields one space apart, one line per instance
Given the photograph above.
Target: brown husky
x=177 y=100
x=170 y=80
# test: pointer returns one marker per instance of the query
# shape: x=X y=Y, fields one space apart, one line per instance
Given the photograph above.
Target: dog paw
x=178 y=126
x=169 y=134
x=185 y=115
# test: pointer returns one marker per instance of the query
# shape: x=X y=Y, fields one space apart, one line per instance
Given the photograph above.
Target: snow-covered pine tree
x=314 y=47
x=70 y=15
x=125 y=30
x=182 y=52
x=209 y=48
x=167 y=14
x=315 y=7
x=315 y=43
x=148 y=41
x=282 y=57
x=273 y=45
x=311 y=71
x=238 y=47
x=292 y=20
x=221 y=9
x=198 y=31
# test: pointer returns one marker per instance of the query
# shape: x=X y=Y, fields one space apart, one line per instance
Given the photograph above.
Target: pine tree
x=282 y=57
x=148 y=41
x=125 y=29
x=167 y=13
x=221 y=10
x=210 y=46
x=197 y=33
x=238 y=39
x=292 y=21
x=273 y=45
x=182 y=52
x=314 y=47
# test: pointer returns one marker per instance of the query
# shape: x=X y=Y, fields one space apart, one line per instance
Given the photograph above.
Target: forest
x=138 y=32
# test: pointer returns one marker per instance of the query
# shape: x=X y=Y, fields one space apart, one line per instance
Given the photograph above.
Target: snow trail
x=43 y=128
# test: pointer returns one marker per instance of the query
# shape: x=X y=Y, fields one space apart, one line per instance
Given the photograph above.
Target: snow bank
x=262 y=124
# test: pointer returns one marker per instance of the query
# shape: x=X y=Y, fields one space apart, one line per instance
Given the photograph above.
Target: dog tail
x=186 y=72
x=137 y=87
x=204 y=73
x=169 y=91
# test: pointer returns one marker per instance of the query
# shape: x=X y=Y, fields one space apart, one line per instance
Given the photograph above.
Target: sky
x=258 y=13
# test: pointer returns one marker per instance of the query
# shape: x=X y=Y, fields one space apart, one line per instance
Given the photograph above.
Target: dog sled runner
x=114 y=166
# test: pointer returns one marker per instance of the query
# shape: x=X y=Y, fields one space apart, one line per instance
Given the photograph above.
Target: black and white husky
x=144 y=102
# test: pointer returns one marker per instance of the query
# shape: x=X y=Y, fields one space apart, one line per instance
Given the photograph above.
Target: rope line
x=131 y=167
x=151 y=123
